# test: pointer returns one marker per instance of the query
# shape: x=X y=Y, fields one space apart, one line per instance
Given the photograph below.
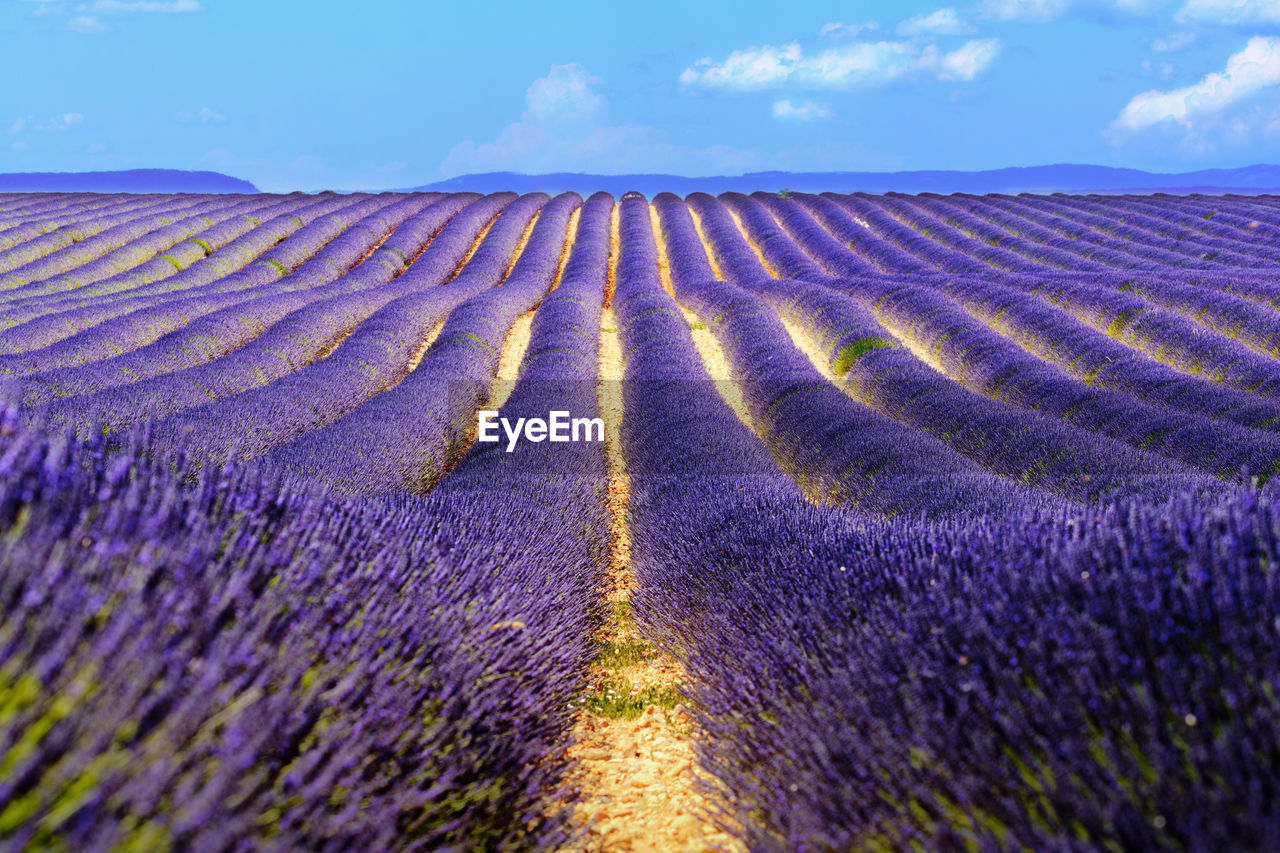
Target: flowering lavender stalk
x=836 y=447
x=215 y=659
x=301 y=337
x=283 y=266
x=371 y=361
x=406 y=437
x=63 y=249
x=861 y=239
x=108 y=273
x=223 y=269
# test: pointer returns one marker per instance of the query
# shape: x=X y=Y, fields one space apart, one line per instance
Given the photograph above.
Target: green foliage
x=617 y=699
x=848 y=355
x=615 y=654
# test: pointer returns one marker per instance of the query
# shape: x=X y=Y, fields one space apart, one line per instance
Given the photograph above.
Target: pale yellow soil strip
x=706 y=244
x=615 y=244
x=512 y=354
x=475 y=246
x=806 y=344
x=637 y=775
x=718 y=368
x=327 y=350
x=571 y=236
x=904 y=337
x=376 y=246
x=713 y=357
x=516 y=342
x=664 y=261
x=751 y=243
x=423 y=346
x=519 y=249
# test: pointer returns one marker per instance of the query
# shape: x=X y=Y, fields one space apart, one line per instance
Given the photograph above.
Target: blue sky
x=392 y=93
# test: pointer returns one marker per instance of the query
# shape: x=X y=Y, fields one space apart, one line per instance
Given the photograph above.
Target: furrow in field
x=356 y=419
x=258 y=257
x=206 y=334
x=304 y=336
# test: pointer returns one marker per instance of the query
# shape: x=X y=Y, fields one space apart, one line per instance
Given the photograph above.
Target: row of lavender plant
x=326 y=277
x=1162 y=334
x=884 y=254
x=146 y=276
x=1125 y=231
x=888 y=228
x=301 y=263
x=23 y=208
x=255 y=249
x=830 y=252
x=1176 y=232
x=435 y=240
x=215 y=659
x=1027 y=239
x=408 y=437
x=62 y=250
x=1024 y=218
x=1146 y=428
x=375 y=358
x=986 y=683
x=1133 y=400
x=1096 y=679
x=116 y=249
x=1030 y=446
x=56 y=228
x=835 y=446
x=1098 y=241
x=177 y=245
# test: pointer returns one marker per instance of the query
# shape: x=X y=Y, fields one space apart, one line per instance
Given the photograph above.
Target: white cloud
x=1249 y=72
x=565 y=93
x=120 y=7
x=565 y=128
x=1035 y=11
x=843 y=67
x=806 y=111
x=1229 y=12
x=944 y=22
x=843 y=30
x=85 y=17
x=969 y=60
x=66 y=121
x=1173 y=43
x=203 y=115
x=1040 y=11
x=86 y=24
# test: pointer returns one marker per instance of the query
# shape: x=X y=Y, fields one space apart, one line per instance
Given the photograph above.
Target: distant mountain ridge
x=127 y=181
x=1044 y=179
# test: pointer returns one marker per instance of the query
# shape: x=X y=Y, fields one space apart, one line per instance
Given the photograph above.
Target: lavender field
x=956 y=513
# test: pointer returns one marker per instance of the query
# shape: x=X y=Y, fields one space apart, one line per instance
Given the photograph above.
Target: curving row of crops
x=977 y=550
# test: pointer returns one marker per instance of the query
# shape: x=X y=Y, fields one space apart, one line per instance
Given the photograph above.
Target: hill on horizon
x=1041 y=179
x=126 y=181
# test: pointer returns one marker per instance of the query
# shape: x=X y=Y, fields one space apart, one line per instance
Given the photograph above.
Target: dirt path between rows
x=633 y=750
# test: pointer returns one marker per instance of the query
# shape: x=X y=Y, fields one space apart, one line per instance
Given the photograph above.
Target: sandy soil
x=638 y=775
x=807 y=345
x=513 y=349
x=706 y=245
